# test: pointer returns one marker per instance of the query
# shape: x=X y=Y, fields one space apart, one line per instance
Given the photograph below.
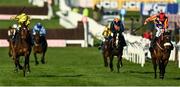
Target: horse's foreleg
x=155 y=67
x=111 y=63
x=26 y=62
x=35 y=57
x=121 y=56
x=19 y=65
x=164 y=64
x=118 y=63
x=10 y=52
x=161 y=69
x=105 y=60
x=43 y=58
x=16 y=65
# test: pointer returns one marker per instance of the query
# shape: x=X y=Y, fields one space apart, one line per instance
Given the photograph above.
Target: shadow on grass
x=175 y=78
x=78 y=75
x=140 y=72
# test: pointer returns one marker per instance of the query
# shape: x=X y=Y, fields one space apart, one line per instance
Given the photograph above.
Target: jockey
x=117 y=27
x=161 y=24
x=41 y=29
x=22 y=19
x=106 y=34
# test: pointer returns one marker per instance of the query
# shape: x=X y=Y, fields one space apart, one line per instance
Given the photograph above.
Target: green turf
x=14 y=3
x=83 y=66
x=49 y=24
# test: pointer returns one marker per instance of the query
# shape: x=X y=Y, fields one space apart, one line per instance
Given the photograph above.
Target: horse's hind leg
x=36 y=61
x=111 y=63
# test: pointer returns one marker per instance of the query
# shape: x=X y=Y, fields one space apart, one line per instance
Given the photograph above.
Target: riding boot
x=152 y=44
x=31 y=40
x=172 y=47
x=113 y=42
x=123 y=41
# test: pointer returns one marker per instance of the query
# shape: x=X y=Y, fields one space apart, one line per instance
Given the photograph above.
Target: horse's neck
x=160 y=43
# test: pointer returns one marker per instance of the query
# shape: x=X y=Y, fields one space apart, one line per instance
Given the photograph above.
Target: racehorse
x=40 y=46
x=160 y=54
x=22 y=47
x=11 y=34
x=111 y=49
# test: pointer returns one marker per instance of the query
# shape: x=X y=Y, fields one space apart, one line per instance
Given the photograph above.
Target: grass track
x=82 y=66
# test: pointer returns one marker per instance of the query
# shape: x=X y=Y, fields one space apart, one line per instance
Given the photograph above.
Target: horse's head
x=165 y=40
x=106 y=44
x=11 y=32
x=24 y=32
x=37 y=37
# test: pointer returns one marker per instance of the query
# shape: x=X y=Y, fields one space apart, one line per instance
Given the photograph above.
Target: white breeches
x=159 y=31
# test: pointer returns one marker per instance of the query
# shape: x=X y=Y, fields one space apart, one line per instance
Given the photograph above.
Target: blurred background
x=81 y=22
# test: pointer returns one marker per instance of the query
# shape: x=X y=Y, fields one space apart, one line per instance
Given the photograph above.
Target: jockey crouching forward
x=117 y=27
x=107 y=36
x=42 y=31
x=22 y=19
x=161 y=24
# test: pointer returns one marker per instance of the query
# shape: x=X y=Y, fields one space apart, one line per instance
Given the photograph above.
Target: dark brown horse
x=111 y=49
x=22 y=47
x=160 y=54
x=40 y=47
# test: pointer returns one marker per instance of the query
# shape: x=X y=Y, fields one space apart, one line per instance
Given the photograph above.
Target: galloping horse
x=111 y=49
x=40 y=46
x=22 y=47
x=160 y=53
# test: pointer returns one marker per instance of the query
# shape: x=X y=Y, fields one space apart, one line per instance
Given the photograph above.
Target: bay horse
x=113 y=48
x=160 y=53
x=22 y=47
x=40 y=47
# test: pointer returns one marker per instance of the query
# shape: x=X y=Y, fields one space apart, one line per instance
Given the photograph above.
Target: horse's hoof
x=36 y=63
x=106 y=65
x=28 y=72
x=15 y=70
x=161 y=77
x=20 y=67
x=10 y=55
x=42 y=61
